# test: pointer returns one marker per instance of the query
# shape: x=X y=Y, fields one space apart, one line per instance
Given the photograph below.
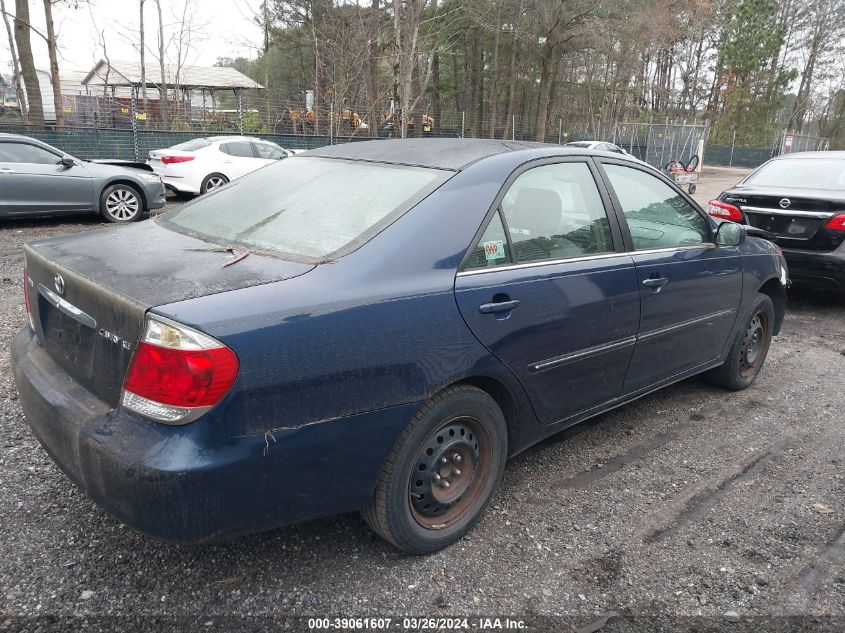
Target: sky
x=223 y=28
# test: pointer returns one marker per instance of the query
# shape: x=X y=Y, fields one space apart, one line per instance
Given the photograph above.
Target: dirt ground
x=693 y=505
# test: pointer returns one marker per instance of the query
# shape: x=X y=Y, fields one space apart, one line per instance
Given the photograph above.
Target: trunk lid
x=90 y=292
x=796 y=216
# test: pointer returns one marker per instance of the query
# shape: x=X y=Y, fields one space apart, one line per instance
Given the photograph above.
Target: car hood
x=108 y=169
x=152 y=265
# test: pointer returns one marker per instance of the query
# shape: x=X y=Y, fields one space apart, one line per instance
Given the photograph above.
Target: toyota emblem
x=59 y=283
x=784 y=203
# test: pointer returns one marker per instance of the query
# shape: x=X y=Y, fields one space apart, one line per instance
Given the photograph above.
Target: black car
x=800 y=198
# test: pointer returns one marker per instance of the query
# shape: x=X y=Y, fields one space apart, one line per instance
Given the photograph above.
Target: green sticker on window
x=494 y=250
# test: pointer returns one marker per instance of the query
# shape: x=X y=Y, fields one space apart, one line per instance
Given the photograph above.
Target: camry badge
x=784 y=203
x=59 y=283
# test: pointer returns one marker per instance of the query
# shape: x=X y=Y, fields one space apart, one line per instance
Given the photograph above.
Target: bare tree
x=16 y=69
x=142 y=51
x=162 y=89
x=30 y=77
x=54 y=62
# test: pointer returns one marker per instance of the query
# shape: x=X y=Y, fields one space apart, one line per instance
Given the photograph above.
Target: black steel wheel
x=442 y=472
x=749 y=347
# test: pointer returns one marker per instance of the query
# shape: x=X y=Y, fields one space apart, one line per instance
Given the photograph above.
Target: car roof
x=836 y=154
x=443 y=153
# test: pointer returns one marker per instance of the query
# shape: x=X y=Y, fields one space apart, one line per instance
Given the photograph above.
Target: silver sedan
x=36 y=179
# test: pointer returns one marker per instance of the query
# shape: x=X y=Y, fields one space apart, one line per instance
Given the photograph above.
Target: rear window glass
x=192 y=145
x=812 y=173
x=306 y=207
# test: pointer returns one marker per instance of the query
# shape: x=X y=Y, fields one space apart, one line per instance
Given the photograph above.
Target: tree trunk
x=162 y=89
x=143 y=63
x=512 y=72
x=494 y=74
x=54 y=63
x=16 y=69
x=30 y=77
x=543 y=99
x=375 y=13
x=476 y=54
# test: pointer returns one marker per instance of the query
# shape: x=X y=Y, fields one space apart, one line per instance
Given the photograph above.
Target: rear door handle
x=655 y=283
x=499 y=306
x=6 y=170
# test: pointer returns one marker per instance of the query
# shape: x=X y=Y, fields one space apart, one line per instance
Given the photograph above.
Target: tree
x=35 y=107
x=162 y=88
x=54 y=63
x=16 y=69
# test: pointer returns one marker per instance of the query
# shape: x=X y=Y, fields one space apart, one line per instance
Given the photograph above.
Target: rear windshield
x=580 y=144
x=306 y=207
x=192 y=145
x=811 y=173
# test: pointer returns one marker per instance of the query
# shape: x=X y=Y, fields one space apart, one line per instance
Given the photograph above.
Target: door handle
x=6 y=170
x=655 y=283
x=499 y=306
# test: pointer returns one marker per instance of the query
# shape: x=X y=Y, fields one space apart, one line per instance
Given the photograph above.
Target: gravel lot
x=689 y=502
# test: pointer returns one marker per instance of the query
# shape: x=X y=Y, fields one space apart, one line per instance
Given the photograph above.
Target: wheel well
x=501 y=394
x=131 y=185
x=777 y=293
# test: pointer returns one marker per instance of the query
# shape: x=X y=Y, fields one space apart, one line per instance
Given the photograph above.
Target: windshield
x=810 y=173
x=192 y=145
x=306 y=207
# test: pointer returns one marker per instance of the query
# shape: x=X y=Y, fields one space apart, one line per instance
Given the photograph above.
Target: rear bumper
x=195 y=483
x=818 y=269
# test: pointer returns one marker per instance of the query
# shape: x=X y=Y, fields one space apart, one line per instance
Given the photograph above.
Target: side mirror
x=67 y=161
x=730 y=234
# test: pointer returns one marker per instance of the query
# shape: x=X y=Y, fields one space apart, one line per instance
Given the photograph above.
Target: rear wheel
x=749 y=348
x=442 y=472
x=121 y=203
x=212 y=182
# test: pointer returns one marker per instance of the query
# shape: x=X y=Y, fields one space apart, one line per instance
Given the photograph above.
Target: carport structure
x=190 y=95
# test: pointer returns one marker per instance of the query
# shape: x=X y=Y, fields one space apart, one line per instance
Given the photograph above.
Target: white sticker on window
x=494 y=250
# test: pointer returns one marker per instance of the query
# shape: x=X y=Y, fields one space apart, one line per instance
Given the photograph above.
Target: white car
x=202 y=164
x=599 y=145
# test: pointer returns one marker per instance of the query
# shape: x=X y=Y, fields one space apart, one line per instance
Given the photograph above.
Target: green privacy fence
x=106 y=143
x=92 y=143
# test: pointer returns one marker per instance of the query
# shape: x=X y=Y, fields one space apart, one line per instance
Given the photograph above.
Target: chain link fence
x=129 y=126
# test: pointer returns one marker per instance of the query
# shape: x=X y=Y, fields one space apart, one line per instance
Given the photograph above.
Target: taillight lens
x=177 y=373
x=724 y=211
x=169 y=160
x=836 y=223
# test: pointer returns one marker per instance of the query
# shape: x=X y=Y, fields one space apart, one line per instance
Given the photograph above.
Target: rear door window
x=241 y=149
x=657 y=215
x=556 y=212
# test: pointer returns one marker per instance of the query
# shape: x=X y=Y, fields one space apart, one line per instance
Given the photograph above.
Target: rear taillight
x=836 y=223
x=26 y=300
x=169 y=160
x=724 y=211
x=177 y=373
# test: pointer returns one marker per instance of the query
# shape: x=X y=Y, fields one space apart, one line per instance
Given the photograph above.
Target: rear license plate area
x=65 y=338
x=792 y=227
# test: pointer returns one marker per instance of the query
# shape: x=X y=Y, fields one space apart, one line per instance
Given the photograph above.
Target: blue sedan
x=376 y=326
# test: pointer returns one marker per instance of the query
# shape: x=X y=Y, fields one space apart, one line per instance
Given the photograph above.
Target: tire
x=121 y=204
x=465 y=427
x=749 y=348
x=691 y=189
x=212 y=182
